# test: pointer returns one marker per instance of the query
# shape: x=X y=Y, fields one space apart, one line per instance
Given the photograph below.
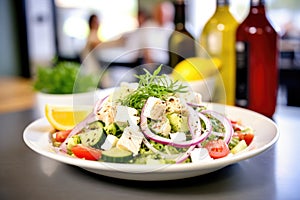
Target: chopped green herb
x=152 y=85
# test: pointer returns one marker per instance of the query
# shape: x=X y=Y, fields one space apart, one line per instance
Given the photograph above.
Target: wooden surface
x=16 y=94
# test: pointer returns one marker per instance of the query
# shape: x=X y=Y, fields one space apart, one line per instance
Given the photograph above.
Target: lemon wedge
x=196 y=68
x=65 y=117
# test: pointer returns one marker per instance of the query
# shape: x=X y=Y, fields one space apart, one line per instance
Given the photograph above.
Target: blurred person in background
x=115 y=56
x=156 y=33
x=146 y=45
x=142 y=17
x=88 y=57
x=92 y=39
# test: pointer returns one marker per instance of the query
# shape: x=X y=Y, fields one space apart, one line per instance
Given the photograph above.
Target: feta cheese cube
x=126 y=116
x=109 y=142
x=200 y=155
x=191 y=97
x=161 y=126
x=155 y=108
x=174 y=105
x=131 y=139
x=178 y=137
x=107 y=112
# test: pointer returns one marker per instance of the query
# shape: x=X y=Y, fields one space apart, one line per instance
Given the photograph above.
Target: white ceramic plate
x=36 y=136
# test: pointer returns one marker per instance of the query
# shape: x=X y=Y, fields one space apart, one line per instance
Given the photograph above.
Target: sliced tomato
x=62 y=135
x=248 y=137
x=235 y=125
x=233 y=122
x=217 y=149
x=85 y=152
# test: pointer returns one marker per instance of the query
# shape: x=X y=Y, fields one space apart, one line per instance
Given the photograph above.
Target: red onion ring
x=195 y=124
x=162 y=140
x=98 y=104
x=195 y=105
x=226 y=123
x=89 y=119
x=196 y=130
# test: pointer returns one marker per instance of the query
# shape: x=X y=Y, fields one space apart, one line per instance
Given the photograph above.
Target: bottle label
x=242 y=68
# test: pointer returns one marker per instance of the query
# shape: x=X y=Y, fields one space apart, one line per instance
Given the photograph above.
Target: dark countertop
x=25 y=174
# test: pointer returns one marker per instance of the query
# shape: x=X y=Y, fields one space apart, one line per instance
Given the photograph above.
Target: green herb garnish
x=152 y=85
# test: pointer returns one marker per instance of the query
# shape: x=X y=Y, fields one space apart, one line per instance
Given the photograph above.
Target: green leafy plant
x=64 y=78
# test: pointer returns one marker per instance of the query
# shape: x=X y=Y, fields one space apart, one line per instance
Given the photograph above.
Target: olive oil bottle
x=218 y=39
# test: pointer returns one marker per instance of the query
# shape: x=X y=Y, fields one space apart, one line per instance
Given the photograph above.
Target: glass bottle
x=218 y=39
x=181 y=42
x=257 y=61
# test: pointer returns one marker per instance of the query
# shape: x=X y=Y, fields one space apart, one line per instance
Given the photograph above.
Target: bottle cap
x=180 y=2
x=257 y=2
x=222 y=2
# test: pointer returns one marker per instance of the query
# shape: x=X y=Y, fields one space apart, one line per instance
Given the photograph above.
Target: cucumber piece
x=233 y=142
x=239 y=147
x=73 y=141
x=95 y=125
x=93 y=136
x=116 y=155
x=111 y=129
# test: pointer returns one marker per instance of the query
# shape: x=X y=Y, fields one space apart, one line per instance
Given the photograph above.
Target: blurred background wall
x=33 y=32
x=9 y=53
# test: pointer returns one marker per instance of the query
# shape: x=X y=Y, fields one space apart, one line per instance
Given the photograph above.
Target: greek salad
x=154 y=121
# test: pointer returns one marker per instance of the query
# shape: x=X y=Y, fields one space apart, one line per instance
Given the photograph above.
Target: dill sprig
x=152 y=85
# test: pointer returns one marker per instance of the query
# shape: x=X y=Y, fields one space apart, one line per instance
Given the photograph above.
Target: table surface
x=25 y=174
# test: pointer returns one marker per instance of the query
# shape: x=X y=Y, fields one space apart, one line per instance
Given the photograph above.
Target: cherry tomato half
x=62 y=135
x=217 y=149
x=248 y=137
x=85 y=152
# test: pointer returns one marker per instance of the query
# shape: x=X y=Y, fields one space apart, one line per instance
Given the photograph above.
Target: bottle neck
x=222 y=6
x=257 y=7
x=179 y=18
